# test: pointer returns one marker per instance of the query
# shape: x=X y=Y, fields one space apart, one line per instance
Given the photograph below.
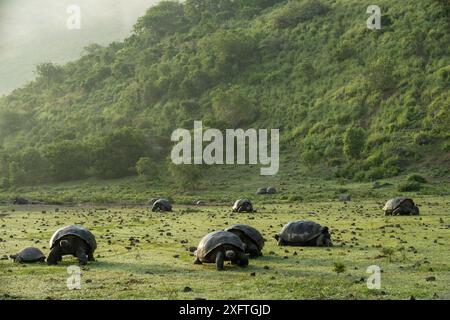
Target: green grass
x=408 y=249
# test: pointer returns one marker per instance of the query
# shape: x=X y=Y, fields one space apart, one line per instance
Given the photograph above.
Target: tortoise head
x=65 y=244
x=277 y=237
x=230 y=255
x=241 y=259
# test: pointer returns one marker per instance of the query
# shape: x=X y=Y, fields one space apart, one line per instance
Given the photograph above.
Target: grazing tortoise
x=243 y=205
x=162 y=205
x=72 y=240
x=254 y=241
x=21 y=201
x=261 y=191
x=28 y=255
x=304 y=233
x=220 y=246
x=400 y=206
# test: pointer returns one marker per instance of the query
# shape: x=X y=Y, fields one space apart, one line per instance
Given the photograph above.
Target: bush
x=68 y=160
x=116 y=155
x=416 y=178
x=354 y=142
x=146 y=167
x=186 y=176
x=374 y=174
x=409 y=187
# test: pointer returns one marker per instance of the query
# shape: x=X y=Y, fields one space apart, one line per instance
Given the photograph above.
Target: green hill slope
x=355 y=103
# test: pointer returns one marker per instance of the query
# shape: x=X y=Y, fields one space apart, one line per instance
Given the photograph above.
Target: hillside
x=349 y=102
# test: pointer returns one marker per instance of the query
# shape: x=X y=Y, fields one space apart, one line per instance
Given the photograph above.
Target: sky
x=35 y=31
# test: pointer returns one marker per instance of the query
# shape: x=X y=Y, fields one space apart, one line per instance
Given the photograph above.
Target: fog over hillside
x=32 y=32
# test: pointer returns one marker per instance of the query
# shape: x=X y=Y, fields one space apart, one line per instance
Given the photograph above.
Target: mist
x=32 y=32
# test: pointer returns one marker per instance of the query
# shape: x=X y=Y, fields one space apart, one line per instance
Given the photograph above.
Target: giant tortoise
x=243 y=205
x=220 y=246
x=72 y=240
x=254 y=241
x=28 y=255
x=304 y=233
x=400 y=206
x=162 y=205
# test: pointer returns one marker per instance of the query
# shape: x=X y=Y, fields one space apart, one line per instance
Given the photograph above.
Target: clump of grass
x=339 y=267
x=388 y=252
x=295 y=198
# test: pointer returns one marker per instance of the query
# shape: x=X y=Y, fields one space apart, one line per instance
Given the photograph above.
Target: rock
x=187 y=289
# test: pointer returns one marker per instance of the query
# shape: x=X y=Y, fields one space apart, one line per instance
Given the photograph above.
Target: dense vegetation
x=363 y=104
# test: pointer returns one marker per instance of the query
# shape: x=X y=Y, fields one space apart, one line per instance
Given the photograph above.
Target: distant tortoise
x=220 y=246
x=28 y=255
x=21 y=201
x=162 y=205
x=72 y=240
x=400 y=206
x=261 y=191
x=304 y=233
x=254 y=241
x=243 y=205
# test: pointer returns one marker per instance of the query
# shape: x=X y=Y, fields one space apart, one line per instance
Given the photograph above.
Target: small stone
x=187 y=289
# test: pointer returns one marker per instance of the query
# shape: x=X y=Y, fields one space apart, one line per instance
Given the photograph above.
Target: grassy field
x=143 y=255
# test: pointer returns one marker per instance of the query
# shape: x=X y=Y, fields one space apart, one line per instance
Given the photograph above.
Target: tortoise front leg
x=397 y=211
x=220 y=256
x=197 y=261
x=81 y=256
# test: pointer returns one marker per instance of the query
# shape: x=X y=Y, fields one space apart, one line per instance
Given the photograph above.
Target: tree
x=49 y=73
x=186 y=175
x=233 y=108
x=68 y=160
x=230 y=51
x=163 y=19
x=146 y=167
x=116 y=154
x=28 y=167
x=354 y=142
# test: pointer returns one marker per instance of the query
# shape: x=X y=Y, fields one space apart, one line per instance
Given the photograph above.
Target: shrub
x=409 y=187
x=416 y=178
x=146 y=167
x=354 y=142
x=339 y=267
x=375 y=173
